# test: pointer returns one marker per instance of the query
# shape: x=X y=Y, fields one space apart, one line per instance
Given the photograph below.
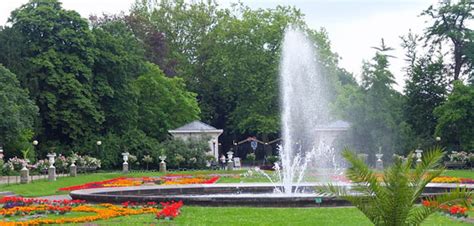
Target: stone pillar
x=230 y=163
x=24 y=175
x=163 y=167
x=379 y=162
x=418 y=155
x=52 y=173
x=125 y=167
x=73 y=170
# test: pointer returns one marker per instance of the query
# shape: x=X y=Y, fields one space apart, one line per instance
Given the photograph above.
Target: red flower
x=426 y=203
x=170 y=210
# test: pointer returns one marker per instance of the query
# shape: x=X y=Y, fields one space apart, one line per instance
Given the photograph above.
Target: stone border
x=201 y=194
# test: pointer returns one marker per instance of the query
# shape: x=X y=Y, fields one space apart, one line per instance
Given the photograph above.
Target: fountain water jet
x=305 y=112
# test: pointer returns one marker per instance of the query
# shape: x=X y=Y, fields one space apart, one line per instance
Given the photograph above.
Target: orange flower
x=109 y=211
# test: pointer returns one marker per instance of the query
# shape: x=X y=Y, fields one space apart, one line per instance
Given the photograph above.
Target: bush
x=189 y=154
x=458 y=156
x=251 y=157
x=272 y=159
x=135 y=142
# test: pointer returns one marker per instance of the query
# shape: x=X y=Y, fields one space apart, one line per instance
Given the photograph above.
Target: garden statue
x=51 y=169
x=125 y=162
x=73 y=167
x=162 y=163
x=418 y=155
x=24 y=174
x=230 y=163
x=379 y=162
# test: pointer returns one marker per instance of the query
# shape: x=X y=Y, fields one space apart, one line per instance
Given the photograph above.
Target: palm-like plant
x=393 y=200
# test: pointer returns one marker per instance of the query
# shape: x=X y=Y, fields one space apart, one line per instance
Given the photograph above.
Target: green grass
x=263 y=216
x=460 y=173
x=45 y=187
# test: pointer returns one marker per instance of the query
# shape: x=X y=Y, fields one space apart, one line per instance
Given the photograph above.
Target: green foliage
x=57 y=56
x=230 y=58
x=163 y=103
x=456 y=118
x=374 y=109
x=251 y=157
x=450 y=23
x=118 y=61
x=393 y=201
x=17 y=114
x=425 y=89
x=113 y=145
x=190 y=154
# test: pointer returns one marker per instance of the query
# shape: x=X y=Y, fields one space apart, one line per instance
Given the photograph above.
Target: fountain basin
x=248 y=194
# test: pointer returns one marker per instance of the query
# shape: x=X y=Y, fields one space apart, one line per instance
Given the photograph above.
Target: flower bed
x=99 y=184
x=13 y=206
x=193 y=180
x=170 y=210
x=170 y=179
x=458 y=180
x=450 y=210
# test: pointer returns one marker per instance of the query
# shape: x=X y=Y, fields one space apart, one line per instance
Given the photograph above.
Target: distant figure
x=222 y=158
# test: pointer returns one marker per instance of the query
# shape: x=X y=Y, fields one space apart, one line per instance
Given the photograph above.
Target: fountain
x=307 y=131
x=307 y=151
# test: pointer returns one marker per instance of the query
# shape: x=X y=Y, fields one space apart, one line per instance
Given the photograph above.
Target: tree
x=451 y=24
x=163 y=103
x=456 y=118
x=183 y=25
x=58 y=57
x=393 y=201
x=17 y=114
x=374 y=108
x=153 y=41
x=245 y=66
x=425 y=89
x=118 y=61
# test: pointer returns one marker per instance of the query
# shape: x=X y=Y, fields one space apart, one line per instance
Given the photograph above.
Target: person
x=222 y=158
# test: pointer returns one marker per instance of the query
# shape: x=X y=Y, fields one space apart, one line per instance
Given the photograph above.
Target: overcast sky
x=354 y=26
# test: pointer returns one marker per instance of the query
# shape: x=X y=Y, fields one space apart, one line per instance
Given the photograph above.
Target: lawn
x=45 y=187
x=264 y=216
x=460 y=173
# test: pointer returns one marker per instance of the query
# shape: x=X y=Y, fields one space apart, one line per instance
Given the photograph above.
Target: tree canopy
x=128 y=78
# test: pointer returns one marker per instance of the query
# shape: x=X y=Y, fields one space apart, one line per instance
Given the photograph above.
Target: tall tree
x=17 y=114
x=425 y=89
x=153 y=40
x=456 y=118
x=240 y=62
x=119 y=60
x=184 y=25
x=375 y=108
x=451 y=23
x=163 y=103
x=58 y=57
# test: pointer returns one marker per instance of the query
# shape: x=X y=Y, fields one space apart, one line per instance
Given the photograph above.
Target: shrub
x=272 y=159
x=189 y=154
x=251 y=157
